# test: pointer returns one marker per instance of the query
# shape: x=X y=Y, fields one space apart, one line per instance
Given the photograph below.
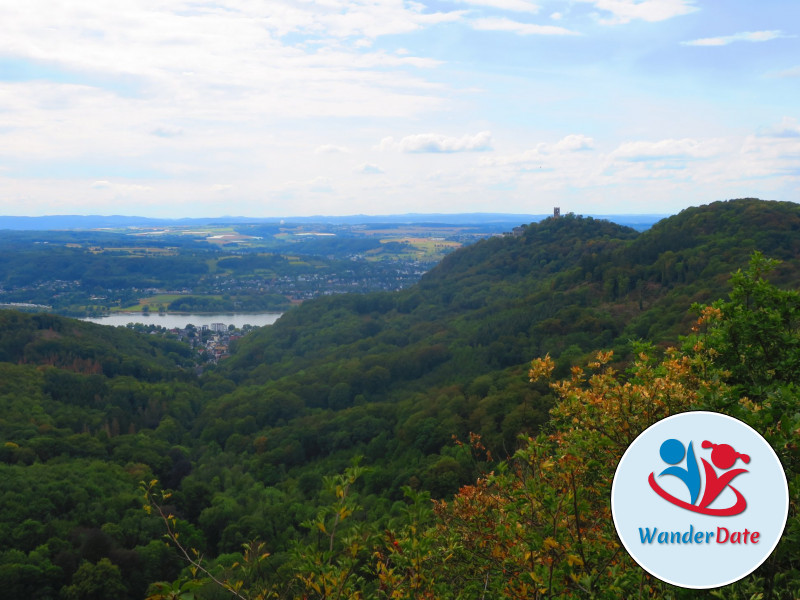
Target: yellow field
x=153 y=302
x=424 y=248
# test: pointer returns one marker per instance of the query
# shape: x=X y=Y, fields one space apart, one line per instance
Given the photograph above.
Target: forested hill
x=77 y=346
x=569 y=284
x=448 y=355
x=86 y=411
x=395 y=376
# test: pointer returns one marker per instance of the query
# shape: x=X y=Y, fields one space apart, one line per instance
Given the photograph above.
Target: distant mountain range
x=639 y=222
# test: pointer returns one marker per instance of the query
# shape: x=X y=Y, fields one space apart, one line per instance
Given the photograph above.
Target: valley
x=400 y=442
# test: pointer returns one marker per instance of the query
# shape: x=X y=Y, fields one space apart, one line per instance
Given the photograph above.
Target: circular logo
x=699 y=500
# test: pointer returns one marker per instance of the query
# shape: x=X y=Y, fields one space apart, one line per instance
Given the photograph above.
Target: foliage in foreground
x=539 y=524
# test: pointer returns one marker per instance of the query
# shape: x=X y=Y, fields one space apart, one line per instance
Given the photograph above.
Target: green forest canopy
x=88 y=412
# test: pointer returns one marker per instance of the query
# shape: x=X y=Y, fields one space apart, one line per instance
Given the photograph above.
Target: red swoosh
x=737 y=508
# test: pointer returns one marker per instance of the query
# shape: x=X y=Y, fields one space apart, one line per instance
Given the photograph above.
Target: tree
x=100 y=581
x=752 y=342
x=333 y=563
x=754 y=337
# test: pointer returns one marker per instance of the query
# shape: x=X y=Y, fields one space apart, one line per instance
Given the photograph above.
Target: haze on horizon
x=333 y=107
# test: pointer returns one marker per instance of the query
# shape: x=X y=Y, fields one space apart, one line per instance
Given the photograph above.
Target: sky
x=192 y=108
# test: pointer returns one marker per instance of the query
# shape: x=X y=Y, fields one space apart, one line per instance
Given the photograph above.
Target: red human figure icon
x=724 y=457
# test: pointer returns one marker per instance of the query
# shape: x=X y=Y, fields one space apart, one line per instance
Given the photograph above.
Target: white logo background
x=635 y=505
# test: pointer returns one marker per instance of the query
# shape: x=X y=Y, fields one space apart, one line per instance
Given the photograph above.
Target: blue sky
x=303 y=107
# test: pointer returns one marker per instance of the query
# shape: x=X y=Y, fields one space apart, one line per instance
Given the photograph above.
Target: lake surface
x=171 y=321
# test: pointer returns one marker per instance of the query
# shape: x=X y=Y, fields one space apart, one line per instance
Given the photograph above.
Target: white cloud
x=510 y=5
x=734 y=166
x=544 y=155
x=228 y=59
x=733 y=163
x=770 y=158
x=745 y=36
x=122 y=189
x=435 y=143
x=368 y=169
x=331 y=149
x=575 y=142
x=289 y=189
x=135 y=187
x=370 y=20
x=787 y=128
x=197 y=94
x=167 y=132
x=503 y=24
x=792 y=72
x=625 y=11
x=666 y=149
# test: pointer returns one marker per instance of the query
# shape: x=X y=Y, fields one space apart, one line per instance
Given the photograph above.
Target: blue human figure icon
x=672 y=452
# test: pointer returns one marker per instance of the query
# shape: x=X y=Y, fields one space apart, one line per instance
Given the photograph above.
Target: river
x=170 y=321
